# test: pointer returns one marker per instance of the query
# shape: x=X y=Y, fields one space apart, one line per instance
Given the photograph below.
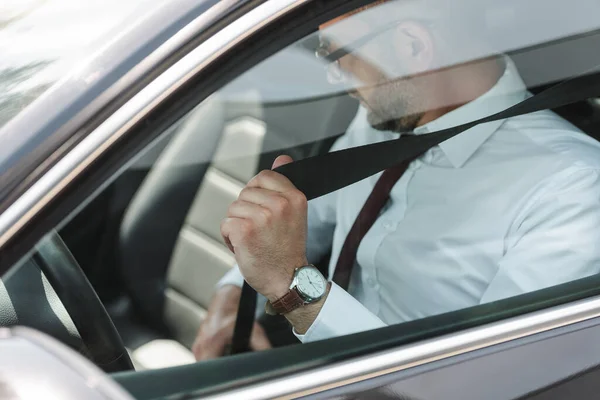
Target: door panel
x=538 y=367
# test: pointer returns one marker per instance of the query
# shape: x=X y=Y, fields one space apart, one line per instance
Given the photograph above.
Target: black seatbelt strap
x=320 y=175
x=240 y=342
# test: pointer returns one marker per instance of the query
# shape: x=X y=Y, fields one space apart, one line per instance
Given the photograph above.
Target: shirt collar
x=508 y=91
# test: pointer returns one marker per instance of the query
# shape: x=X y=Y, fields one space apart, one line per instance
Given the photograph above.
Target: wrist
x=303 y=318
x=280 y=286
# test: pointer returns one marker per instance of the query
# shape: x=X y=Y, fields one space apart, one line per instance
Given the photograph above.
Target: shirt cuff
x=340 y=315
x=232 y=277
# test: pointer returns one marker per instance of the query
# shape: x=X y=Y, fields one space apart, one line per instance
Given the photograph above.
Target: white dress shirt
x=505 y=208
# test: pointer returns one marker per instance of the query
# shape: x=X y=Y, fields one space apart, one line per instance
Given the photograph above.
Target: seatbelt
x=323 y=174
x=240 y=342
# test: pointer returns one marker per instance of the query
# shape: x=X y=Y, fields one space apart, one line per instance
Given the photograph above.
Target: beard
x=392 y=107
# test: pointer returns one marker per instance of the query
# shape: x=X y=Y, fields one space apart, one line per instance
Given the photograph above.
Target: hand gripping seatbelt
x=323 y=174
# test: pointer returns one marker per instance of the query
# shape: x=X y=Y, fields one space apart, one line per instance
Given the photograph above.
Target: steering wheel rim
x=100 y=336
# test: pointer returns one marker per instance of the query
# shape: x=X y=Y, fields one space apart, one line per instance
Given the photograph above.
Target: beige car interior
x=200 y=257
x=227 y=138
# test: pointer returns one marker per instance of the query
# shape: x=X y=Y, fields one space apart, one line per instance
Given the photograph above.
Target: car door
x=535 y=345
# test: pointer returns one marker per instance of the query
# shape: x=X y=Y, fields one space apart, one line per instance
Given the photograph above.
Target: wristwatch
x=308 y=286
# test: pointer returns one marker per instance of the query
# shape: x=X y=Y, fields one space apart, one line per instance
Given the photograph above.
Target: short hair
x=458 y=26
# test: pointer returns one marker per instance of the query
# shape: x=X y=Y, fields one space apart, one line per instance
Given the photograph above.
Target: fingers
x=207 y=347
x=258 y=207
x=257 y=195
x=258 y=339
x=230 y=226
x=282 y=160
x=242 y=219
x=259 y=189
x=228 y=244
x=217 y=328
x=271 y=200
x=238 y=231
x=244 y=209
x=245 y=214
x=273 y=180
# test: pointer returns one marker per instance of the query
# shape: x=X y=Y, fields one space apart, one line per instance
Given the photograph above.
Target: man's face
x=393 y=104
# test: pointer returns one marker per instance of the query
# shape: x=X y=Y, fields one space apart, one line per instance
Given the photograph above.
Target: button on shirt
x=505 y=208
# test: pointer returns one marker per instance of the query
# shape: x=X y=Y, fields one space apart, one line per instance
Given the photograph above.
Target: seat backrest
x=172 y=251
x=200 y=257
x=153 y=219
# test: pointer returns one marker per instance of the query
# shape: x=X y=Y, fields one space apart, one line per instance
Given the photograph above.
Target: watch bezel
x=306 y=297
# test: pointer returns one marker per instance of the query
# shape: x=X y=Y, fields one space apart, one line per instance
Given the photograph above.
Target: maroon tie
x=365 y=220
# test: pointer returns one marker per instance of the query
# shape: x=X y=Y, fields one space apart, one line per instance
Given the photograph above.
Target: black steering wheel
x=98 y=333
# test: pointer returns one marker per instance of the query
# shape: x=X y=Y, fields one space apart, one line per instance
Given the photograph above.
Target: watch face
x=310 y=283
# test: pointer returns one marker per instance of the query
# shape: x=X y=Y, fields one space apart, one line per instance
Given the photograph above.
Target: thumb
x=282 y=160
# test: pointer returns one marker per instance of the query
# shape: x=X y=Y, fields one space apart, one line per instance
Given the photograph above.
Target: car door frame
x=74 y=107
x=319 y=367
x=473 y=364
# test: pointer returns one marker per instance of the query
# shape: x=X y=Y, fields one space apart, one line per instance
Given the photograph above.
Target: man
x=505 y=208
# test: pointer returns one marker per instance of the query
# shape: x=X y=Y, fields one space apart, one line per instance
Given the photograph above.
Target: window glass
x=41 y=40
x=506 y=208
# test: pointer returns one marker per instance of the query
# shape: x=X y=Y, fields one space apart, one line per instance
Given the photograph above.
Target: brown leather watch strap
x=283 y=305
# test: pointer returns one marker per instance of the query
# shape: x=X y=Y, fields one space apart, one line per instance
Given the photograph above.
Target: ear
x=414 y=45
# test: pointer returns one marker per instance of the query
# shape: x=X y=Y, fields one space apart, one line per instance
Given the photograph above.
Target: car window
x=41 y=40
x=507 y=208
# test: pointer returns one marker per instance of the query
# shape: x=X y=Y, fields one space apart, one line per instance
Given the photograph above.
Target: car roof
x=93 y=84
